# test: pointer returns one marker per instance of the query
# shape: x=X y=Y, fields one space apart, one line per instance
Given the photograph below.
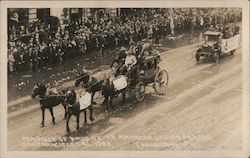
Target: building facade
x=68 y=14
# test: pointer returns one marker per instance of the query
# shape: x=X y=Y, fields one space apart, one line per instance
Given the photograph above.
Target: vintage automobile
x=214 y=45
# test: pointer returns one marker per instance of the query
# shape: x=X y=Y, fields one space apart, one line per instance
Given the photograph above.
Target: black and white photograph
x=135 y=78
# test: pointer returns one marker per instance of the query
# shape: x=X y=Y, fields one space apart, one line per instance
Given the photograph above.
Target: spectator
x=46 y=44
x=11 y=62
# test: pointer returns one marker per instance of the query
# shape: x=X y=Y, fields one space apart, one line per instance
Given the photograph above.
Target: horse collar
x=41 y=98
x=70 y=105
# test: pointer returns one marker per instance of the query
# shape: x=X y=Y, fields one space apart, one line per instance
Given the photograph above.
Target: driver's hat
x=122 y=49
x=129 y=52
x=132 y=43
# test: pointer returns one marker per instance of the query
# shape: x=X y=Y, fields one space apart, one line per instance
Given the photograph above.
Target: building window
x=74 y=11
x=76 y=15
x=43 y=13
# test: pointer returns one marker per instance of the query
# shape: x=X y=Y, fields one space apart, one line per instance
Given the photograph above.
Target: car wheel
x=232 y=52
x=217 y=57
x=197 y=57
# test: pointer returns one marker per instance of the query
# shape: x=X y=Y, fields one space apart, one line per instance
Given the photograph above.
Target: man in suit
x=26 y=59
x=34 y=58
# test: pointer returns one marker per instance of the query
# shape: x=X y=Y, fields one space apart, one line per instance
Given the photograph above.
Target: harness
x=89 y=86
x=41 y=98
x=70 y=105
x=44 y=97
x=83 y=76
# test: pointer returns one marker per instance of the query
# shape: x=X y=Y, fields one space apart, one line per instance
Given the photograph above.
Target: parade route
x=201 y=110
x=97 y=74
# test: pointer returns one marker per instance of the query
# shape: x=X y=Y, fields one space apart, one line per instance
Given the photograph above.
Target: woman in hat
x=130 y=60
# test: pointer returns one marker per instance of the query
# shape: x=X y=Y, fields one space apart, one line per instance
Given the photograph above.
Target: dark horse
x=109 y=93
x=73 y=108
x=47 y=101
x=91 y=84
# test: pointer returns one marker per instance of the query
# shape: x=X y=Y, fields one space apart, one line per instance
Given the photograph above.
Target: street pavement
x=201 y=110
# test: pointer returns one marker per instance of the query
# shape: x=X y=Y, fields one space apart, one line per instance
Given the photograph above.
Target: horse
x=109 y=92
x=47 y=101
x=82 y=78
x=73 y=108
x=90 y=83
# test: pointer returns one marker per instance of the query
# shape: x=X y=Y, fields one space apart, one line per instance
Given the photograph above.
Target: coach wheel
x=139 y=92
x=161 y=82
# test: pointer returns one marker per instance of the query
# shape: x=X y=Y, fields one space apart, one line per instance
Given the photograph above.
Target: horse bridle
x=69 y=92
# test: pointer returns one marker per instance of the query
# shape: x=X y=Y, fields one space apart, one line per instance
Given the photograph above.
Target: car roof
x=212 y=33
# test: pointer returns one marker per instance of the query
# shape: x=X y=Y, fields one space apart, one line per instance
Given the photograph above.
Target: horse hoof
x=92 y=119
x=41 y=125
x=53 y=123
x=67 y=131
x=77 y=130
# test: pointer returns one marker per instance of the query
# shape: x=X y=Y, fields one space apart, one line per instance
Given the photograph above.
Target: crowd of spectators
x=41 y=44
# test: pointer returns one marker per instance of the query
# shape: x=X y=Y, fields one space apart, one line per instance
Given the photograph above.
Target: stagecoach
x=148 y=73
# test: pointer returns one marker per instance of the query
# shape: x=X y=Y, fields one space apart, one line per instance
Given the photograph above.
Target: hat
x=122 y=49
x=132 y=43
x=129 y=53
x=84 y=68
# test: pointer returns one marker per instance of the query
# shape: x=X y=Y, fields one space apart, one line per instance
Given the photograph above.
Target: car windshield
x=211 y=38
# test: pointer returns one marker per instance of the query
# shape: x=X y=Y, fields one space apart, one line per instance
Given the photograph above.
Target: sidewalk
x=20 y=85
